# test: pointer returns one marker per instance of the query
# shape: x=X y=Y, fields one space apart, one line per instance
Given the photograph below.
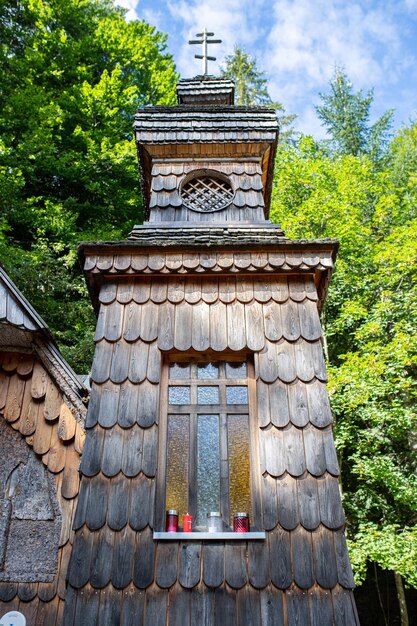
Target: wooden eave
x=184 y=251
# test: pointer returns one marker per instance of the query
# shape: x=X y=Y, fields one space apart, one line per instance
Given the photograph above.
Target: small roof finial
x=203 y=39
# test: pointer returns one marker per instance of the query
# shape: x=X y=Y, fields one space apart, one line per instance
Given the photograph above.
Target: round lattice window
x=206 y=192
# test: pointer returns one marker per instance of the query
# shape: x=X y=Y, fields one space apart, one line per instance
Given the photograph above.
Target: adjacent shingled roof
x=205 y=90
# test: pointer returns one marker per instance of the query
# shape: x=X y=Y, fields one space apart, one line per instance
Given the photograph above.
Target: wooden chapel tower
x=208 y=393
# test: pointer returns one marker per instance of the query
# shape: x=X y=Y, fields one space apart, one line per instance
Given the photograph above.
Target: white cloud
x=131 y=6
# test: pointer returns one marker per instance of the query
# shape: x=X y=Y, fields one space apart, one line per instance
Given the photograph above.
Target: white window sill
x=196 y=536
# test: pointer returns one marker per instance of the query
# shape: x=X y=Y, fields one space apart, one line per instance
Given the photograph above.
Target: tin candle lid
x=241 y=514
x=214 y=514
x=172 y=512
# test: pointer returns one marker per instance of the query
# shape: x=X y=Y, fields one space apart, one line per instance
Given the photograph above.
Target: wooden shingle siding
x=301 y=571
x=34 y=406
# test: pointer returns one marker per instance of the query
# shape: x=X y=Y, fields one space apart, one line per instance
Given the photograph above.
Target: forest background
x=72 y=76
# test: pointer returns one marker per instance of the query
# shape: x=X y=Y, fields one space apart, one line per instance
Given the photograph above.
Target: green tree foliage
x=370 y=323
x=345 y=116
x=251 y=87
x=72 y=74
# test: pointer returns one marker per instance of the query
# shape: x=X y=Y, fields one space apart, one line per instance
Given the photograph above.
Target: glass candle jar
x=171 y=521
x=241 y=522
x=214 y=522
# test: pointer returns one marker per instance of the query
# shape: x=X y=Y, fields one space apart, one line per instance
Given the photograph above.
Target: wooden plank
x=156 y=262
x=153 y=372
x=202 y=607
x=148 y=404
x=119 y=368
x=318 y=404
x=226 y=610
x=109 y=607
x=296 y=286
x=235 y=564
x=227 y=289
x=149 y=322
x=166 y=325
x=318 y=360
x=314 y=450
x=302 y=557
x=254 y=326
x=280 y=556
x=71 y=477
x=298 y=404
x=291 y=329
x=144 y=560
x=142 y=288
x=114 y=322
x=79 y=438
x=79 y=566
x=150 y=450
x=118 y=505
x=132 y=451
x=285 y=359
x=43 y=436
x=96 y=512
x=272 y=607
x=321 y=613
x=125 y=289
x=344 y=615
x=156 y=601
x=244 y=289
x=263 y=408
x=123 y=552
x=304 y=360
x=176 y=290
x=258 y=564
x=56 y=457
x=331 y=511
x=82 y=503
x=139 y=262
x=309 y=502
x=324 y=557
x=183 y=323
x=127 y=407
x=111 y=462
x=66 y=425
x=288 y=511
x=139 y=513
x=272 y=321
x=242 y=260
x=278 y=398
x=279 y=286
x=25 y=364
x=39 y=381
x=8 y=591
x=261 y=286
x=332 y=464
x=100 y=371
x=87 y=607
x=4 y=386
x=274 y=451
x=210 y=289
x=294 y=451
x=189 y=566
x=309 y=320
x=213 y=563
x=166 y=564
x=101 y=323
x=18 y=394
x=236 y=329
x=218 y=327
x=10 y=361
x=179 y=612
x=249 y=607
x=101 y=557
x=268 y=363
x=200 y=329
x=298 y=610
x=269 y=501
x=131 y=321
x=138 y=364
x=133 y=607
x=173 y=261
x=190 y=260
x=344 y=569
x=29 y=417
x=192 y=291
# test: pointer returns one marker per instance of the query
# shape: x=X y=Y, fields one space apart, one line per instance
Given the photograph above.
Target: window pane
x=179 y=395
x=207 y=370
x=177 y=464
x=179 y=370
x=208 y=467
x=236 y=395
x=208 y=395
x=239 y=464
x=236 y=370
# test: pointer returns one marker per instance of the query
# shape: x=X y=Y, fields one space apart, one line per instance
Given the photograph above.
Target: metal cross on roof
x=203 y=39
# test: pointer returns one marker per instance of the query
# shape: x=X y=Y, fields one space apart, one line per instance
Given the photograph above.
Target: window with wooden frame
x=208 y=454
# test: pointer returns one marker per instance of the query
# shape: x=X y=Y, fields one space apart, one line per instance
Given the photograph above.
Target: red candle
x=171 y=521
x=241 y=522
x=187 y=523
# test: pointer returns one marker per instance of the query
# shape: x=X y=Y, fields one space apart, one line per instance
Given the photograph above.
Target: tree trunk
x=401 y=599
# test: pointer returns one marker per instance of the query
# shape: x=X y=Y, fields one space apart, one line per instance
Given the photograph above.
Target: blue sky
x=298 y=43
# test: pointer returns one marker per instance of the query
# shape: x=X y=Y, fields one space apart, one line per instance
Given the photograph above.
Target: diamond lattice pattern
x=207 y=193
